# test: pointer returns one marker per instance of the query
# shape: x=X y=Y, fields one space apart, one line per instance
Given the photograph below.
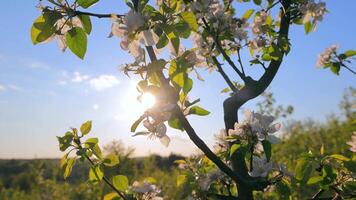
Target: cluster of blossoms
x=221 y=21
x=325 y=57
x=127 y=28
x=147 y=190
x=259 y=29
x=313 y=11
x=206 y=180
x=352 y=143
x=254 y=129
x=154 y=123
x=256 y=126
x=62 y=27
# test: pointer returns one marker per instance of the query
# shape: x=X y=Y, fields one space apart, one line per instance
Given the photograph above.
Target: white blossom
x=313 y=11
x=326 y=56
x=147 y=190
x=208 y=179
x=260 y=167
x=352 y=142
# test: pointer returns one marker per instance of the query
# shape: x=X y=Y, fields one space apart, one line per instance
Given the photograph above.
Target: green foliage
x=120 y=182
x=77 y=41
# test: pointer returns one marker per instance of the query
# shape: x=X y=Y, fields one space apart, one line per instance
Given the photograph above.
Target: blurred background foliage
x=41 y=179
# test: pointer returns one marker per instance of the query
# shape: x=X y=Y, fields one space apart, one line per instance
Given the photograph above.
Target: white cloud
x=95 y=106
x=103 y=82
x=14 y=87
x=2 y=88
x=62 y=82
x=38 y=65
x=77 y=77
x=9 y=87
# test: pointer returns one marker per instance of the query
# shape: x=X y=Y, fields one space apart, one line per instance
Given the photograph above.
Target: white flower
x=313 y=11
x=262 y=126
x=148 y=37
x=259 y=21
x=221 y=142
x=127 y=25
x=205 y=182
x=63 y=27
x=147 y=190
x=352 y=142
x=326 y=56
x=156 y=131
x=260 y=167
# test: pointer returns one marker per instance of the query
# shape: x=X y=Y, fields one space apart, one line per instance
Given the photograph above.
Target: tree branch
x=77 y=12
x=251 y=90
x=222 y=51
x=223 y=74
x=348 y=68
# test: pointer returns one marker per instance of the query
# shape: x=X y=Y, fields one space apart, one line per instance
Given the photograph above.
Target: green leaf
x=303 y=169
x=181 y=179
x=69 y=167
x=335 y=68
x=111 y=160
x=315 y=179
x=112 y=196
x=267 y=147
x=191 y=20
x=44 y=26
x=85 y=19
x=248 y=14
x=120 y=182
x=76 y=40
x=183 y=29
x=162 y=42
x=350 y=53
x=65 y=141
x=85 y=128
x=136 y=123
x=234 y=148
x=175 y=41
x=308 y=27
x=97 y=151
x=175 y=123
x=196 y=110
x=339 y=157
x=63 y=160
x=257 y=2
x=86 y=3
x=95 y=174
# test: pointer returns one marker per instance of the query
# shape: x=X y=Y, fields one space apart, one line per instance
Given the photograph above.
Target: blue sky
x=44 y=91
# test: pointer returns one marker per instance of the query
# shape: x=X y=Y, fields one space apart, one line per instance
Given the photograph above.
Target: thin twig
x=223 y=74
x=77 y=12
x=108 y=182
x=222 y=51
x=352 y=71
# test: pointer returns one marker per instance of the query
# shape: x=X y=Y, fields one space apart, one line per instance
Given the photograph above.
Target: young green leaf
x=248 y=14
x=69 y=167
x=86 y=22
x=86 y=3
x=267 y=148
x=234 y=148
x=111 y=160
x=95 y=174
x=196 y=110
x=181 y=179
x=308 y=27
x=191 y=20
x=120 y=182
x=76 y=40
x=136 y=123
x=85 y=128
x=112 y=196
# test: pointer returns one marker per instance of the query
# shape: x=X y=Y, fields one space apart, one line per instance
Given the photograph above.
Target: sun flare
x=148 y=100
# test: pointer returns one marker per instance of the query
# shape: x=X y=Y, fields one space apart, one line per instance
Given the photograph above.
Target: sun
x=148 y=100
x=129 y=107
